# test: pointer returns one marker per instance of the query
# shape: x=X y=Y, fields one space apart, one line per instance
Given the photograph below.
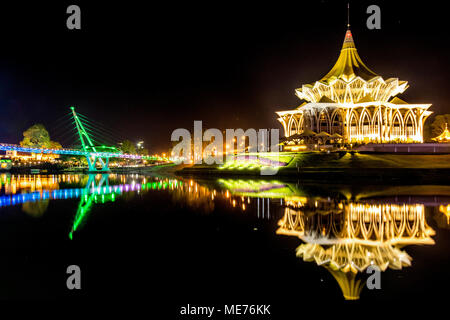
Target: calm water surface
x=219 y=241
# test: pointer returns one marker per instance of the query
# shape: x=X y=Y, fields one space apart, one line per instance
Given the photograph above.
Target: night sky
x=145 y=71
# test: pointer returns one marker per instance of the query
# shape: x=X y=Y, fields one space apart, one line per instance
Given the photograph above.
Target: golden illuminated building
x=444 y=136
x=446 y=211
x=353 y=101
x=348 y=238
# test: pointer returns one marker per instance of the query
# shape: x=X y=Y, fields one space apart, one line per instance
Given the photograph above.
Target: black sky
x=147 y=70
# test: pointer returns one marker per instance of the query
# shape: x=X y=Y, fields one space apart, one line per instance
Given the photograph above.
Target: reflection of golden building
x=353 y=101
x=347 y=239
x=196 y=196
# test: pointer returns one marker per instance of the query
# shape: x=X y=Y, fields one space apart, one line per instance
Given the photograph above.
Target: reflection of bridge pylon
x=93 y=156
x=87 y=199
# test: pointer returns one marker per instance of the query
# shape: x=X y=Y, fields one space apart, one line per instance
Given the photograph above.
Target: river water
x=208 y=242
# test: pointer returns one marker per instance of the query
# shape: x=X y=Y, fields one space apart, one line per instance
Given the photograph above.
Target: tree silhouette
x=37 y=136
x=438 y=125
x=128 y=147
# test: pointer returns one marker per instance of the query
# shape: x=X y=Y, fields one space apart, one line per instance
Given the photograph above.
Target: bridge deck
x=14 y=147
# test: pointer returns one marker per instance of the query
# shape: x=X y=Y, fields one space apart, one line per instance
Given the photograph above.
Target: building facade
x=356 y=103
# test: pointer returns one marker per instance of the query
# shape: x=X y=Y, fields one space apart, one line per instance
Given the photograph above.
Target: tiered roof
x=351 y=81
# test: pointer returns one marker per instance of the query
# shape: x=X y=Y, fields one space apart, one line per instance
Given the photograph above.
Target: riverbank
x=55 y=169
x=345 y=166
x=167 y=167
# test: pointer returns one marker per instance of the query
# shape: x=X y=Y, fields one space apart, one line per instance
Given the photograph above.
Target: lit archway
x=376 y=125
x=353 y=127
x=410 y=126
x=292 y=125
x=365 y=130
x=301 y=124
x=323 y=122
x=337 y=123
x=397 y=126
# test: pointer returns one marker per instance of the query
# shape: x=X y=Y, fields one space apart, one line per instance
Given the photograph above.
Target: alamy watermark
x=74 y=20
x=237 y=142
x=373 y=281
x=74 y=279
x=374 y=20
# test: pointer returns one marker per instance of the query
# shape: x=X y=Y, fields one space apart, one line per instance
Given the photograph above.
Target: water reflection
x=341 y=228
x=347 y=238
x=345 y=230
x=194 y=195
x=34 y=192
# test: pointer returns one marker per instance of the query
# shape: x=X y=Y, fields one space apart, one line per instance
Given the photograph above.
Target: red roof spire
x=348 y=40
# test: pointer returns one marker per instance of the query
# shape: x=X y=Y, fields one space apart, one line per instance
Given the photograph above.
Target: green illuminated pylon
x=87 y=199
x=92 y=155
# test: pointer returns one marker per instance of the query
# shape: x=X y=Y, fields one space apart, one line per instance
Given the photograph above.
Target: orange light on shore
x=295 y=148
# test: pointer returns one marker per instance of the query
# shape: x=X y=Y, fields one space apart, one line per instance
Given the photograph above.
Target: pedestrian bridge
x=95 y=155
